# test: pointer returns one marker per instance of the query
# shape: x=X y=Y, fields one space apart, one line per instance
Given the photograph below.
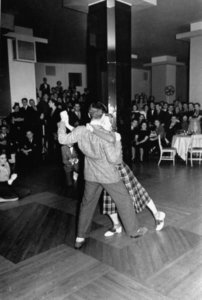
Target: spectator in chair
x=29 y=154
x=9 y=191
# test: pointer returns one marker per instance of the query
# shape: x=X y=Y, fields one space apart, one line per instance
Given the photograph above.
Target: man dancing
x=100 y=172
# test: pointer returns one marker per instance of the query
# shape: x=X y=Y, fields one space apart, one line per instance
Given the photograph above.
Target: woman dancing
x=138 y=194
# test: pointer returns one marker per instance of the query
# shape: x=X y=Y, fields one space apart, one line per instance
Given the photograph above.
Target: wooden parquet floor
x=38 y=261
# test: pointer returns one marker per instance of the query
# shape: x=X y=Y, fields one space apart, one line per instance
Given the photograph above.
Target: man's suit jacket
x=101 y=157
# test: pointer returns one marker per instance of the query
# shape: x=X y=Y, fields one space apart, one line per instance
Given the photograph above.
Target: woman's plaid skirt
x=138 y=194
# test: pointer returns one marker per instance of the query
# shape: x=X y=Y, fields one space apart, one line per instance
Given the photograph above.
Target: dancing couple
x=103 y=155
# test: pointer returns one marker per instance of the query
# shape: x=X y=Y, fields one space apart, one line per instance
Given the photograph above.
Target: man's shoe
x=140 y=232
x=160 y=220
x=115 y=229
x=78 y=245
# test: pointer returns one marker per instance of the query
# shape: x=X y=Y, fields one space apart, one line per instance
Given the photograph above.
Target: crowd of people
x=152 y=119
x=29 y=133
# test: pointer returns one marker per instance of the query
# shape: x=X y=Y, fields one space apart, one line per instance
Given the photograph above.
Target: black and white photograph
x=100 y=149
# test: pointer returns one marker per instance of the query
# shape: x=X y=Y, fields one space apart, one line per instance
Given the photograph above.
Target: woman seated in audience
x=178 y=113
x=144 y=110
x=135 y=112
x=141 y=142
x=9 y=190
x=153 y=140
x=141 y=119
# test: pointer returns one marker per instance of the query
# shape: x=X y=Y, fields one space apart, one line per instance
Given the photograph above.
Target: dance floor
x=38 y=261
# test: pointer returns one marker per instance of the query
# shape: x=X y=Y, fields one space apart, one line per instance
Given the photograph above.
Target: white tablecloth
x=182 y=142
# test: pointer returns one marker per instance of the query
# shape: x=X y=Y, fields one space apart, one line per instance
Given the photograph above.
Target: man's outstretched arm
x=67 y=138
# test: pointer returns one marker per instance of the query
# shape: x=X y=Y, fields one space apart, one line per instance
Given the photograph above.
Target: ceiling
x=64 y=23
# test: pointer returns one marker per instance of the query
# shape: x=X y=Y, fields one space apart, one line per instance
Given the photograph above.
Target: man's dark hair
x=53 y=101
x=97 y=109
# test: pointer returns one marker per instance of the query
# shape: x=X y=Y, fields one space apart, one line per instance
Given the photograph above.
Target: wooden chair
x=194 y=152
x=166 y=153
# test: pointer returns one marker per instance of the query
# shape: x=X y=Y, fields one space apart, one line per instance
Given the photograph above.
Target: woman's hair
x=111 y=120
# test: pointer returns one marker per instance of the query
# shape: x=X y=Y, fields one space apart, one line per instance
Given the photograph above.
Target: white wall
x=140 y=78
x=61 y=73
x=158 y=82
x=195 y=82
x=22 y=78
x=140 y=82
x=182 y=83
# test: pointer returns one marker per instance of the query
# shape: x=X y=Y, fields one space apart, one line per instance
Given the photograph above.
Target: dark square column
x=109 y=62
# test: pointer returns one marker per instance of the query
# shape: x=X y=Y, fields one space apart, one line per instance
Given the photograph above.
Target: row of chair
x=193 y=154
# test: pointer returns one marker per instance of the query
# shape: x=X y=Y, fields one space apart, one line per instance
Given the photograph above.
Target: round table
x=181 y=144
